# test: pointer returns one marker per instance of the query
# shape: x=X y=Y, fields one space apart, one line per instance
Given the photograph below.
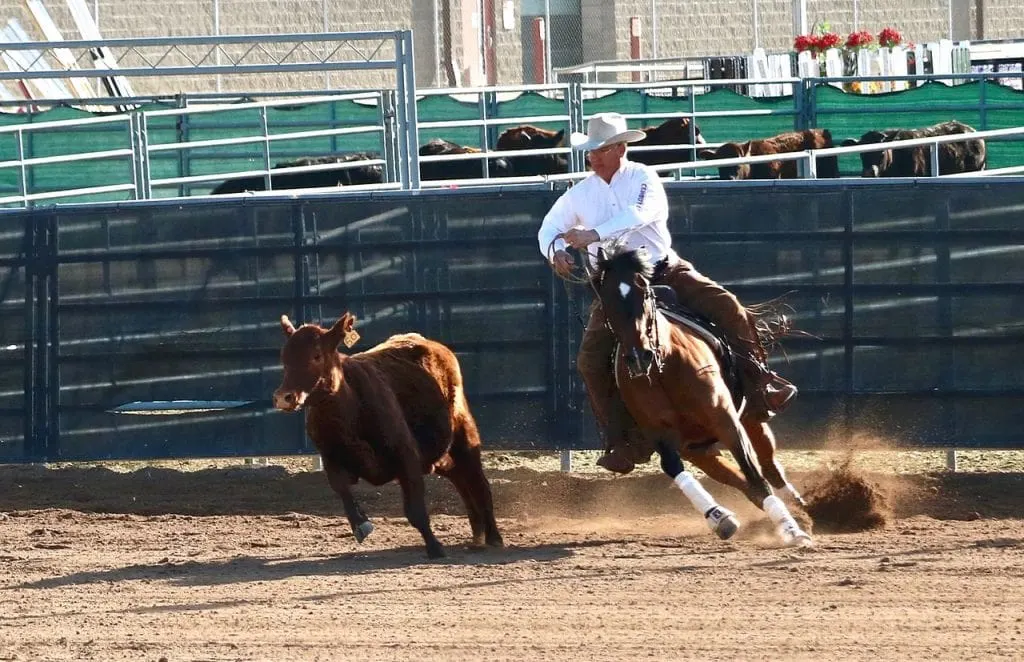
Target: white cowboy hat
x=605 y=129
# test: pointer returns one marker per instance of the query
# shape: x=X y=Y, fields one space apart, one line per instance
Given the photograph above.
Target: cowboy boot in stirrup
x=778 y=393
x=616 y=454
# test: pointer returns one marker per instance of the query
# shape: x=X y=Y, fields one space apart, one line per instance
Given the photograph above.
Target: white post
x=951 y=460
x=856 y=16
x=216 y=32
x=566 y=461
x=437 y=44
x=654 y=29
x=799 y=17
x=757 y=27
x=935 y=159
x=548 y=77
x=949 y=18
x=323 y=13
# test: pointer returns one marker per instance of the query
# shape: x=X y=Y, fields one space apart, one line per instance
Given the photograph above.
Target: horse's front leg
x=341 y=482
x=720 y=520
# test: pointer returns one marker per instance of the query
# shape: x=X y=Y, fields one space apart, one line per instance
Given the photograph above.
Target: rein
x=652 y=331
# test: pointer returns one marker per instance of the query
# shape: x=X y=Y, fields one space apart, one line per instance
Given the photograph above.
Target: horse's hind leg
x=732 y=434
x=340 y=482
x=475 y=488
x=763 y=441
x=719 y=519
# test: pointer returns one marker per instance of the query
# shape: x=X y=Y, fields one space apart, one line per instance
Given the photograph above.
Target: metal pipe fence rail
x=397 y=138
x=911 y=290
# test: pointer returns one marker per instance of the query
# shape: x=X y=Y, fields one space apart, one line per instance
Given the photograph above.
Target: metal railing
x=405 y=170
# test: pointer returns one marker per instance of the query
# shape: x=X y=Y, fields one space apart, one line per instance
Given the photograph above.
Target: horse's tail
x=772 y=322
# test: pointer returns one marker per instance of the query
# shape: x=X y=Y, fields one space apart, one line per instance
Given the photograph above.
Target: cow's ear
x=849 y=142
x=287 y=326
x=343 y=331
x=707 y=154
x=559 y=137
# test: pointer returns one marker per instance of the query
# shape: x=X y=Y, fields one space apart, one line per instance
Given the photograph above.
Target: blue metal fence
x=912 y=291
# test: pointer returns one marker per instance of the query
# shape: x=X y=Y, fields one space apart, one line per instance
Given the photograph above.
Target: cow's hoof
x=495 y=541
x=435 y=552
x=362 y=531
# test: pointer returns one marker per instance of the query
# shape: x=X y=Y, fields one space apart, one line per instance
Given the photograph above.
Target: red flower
x=859 y=39
x=803 y=43
x=827 y=40
x=889 y=37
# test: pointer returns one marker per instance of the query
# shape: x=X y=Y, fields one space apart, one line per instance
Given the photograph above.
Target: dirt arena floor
x=222 y=561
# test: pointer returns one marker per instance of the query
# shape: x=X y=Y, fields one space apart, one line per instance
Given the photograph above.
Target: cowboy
x=624 y=200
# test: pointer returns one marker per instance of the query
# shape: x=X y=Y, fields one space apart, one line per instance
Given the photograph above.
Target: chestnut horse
x=393 y=412
x=674 y=385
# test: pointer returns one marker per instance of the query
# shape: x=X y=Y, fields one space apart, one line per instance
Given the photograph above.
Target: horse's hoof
x=362 y=531
x=723 y=522
x=435 y=552
x=802 y=540
x=495 y=541
x=727 y=528
x=795 y=537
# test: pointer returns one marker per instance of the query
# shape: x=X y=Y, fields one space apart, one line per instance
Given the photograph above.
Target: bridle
x=652 y=330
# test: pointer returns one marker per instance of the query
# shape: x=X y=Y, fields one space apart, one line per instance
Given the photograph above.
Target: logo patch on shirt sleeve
x=643 y=194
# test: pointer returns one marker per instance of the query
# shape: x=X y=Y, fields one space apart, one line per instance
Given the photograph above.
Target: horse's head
x=623 y=284
x=311 y=360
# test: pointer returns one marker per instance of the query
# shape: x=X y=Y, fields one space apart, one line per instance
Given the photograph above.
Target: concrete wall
x=684 y=28
x=727 y=27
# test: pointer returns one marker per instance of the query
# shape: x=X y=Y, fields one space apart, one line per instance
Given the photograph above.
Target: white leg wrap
x=695 y=492
x=786 y=526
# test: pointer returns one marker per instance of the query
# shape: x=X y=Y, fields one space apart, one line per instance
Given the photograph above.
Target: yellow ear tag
x=351 y=337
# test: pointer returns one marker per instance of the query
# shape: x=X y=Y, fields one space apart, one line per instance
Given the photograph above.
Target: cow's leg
x=475 y=490
x=414 y=499
x=456 y=473
x=341 y=481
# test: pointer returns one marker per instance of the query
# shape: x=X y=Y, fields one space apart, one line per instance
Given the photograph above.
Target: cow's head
x=873 y=164
x=672 y=131
x=729 y=151
x=311 y=361
x=529 y=137
x=532 y=137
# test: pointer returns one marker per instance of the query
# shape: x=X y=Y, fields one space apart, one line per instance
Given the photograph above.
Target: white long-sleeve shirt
x=632 y=206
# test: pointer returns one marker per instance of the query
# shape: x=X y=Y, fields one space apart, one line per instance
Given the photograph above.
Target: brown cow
x=793 y=141
x=528 y=136
x=366 y=174
x=393 y=412
x=467 y=169
x=670 y=132
x=963 y=156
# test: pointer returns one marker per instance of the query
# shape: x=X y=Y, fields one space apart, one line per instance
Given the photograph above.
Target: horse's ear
x=287 y=326
x=343 y=331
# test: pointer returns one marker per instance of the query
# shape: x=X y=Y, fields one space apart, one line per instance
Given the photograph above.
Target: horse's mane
x=621 y=259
